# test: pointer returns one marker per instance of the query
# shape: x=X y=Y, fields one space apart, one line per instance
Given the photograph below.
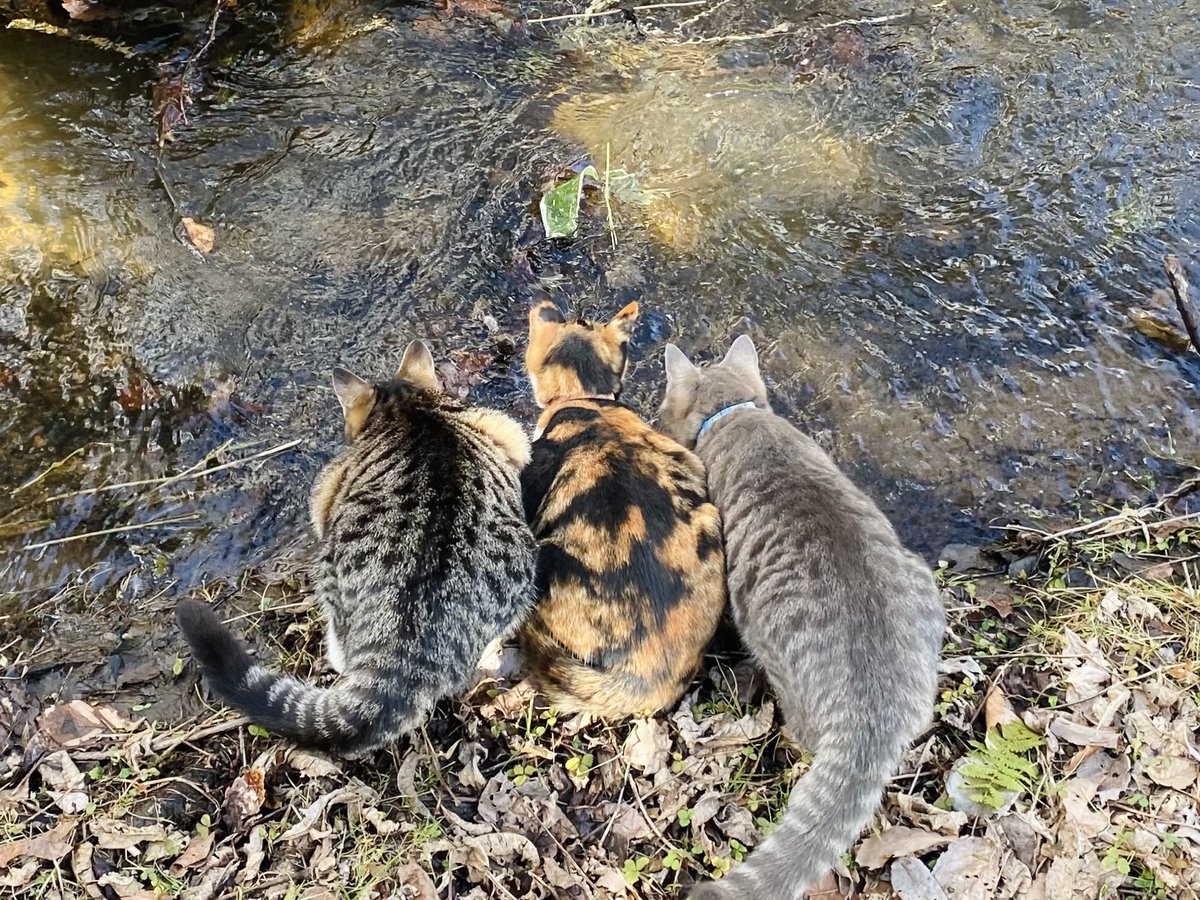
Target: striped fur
x=631 y=576
x=425 y=558
x=846 y=622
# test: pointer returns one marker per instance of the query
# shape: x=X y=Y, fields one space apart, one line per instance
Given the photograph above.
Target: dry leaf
x=201 y=236
x=311 y=765
x=648 y=746
x=997 y=710
x=1081 y=735
x=727 y=732
x=244 y=798
x=64 y=782
x=969 y=869
x=876 y=851
x=412 y=876
x=922 y=812
x=77 y=724
x=196 y=852
x=113 y=834
x=50 y=845
x=911 y=880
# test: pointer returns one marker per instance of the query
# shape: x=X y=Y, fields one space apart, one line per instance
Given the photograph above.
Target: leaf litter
x=1070 y=725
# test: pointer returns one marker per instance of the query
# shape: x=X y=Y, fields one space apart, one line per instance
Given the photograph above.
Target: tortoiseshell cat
x=631 y=569
x=846 y=622
x=425 y=558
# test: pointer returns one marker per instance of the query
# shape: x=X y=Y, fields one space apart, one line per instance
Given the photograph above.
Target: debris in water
x=201 y=236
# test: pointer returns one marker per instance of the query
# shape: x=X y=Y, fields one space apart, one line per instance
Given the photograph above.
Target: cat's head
x=694 y=394
x=573 y=360
x=360 y=398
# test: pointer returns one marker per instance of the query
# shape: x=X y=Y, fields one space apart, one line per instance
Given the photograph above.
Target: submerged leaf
x=560 y=205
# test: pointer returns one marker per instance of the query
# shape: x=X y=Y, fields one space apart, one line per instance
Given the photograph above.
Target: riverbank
x=1069 y=700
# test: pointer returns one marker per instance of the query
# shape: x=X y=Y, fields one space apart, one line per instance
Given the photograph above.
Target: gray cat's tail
x=829 y=807
x=354 y=715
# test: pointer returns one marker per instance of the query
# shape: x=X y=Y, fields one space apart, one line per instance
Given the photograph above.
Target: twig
x=62 y=462
x=190 y=472
x=1188 y=310
x=168 y=742
x=153 y=523
x=786 y=28
x=620 y=11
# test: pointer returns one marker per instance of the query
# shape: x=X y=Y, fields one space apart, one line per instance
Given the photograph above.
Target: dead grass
x=1093 y=651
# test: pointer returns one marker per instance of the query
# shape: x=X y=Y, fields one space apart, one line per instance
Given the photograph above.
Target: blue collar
x=718 y=416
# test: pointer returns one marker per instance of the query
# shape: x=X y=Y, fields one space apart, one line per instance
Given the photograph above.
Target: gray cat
x=846 y=622
x=425 y=558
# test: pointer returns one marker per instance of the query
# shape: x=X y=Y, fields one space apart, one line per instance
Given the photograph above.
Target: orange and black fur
x=631 y=566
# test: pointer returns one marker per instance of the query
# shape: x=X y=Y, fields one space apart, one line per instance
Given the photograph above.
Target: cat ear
x=624 y=321
x=356 y=396
x=742 y=355
x=543 y=314
x=679 y=367
x=417 y=366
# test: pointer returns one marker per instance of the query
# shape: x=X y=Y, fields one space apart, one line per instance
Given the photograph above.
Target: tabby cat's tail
x=829 y=807
x=352 y=716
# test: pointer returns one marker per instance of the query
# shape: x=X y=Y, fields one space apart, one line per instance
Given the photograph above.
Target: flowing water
x=943 y=228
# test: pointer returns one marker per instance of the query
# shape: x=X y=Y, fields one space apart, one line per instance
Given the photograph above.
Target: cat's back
x=631 y=570
x=423 y=495
x=795 y=524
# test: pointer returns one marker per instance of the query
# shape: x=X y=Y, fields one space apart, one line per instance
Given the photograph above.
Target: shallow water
x=937 y=228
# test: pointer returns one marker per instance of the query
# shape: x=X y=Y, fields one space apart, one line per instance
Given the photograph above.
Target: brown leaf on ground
x=912 y=880
x=172 y=96
x=244 y=798
x=202 y=237
x=648 y=746
x=1066 y=728
x=87 y=11
x=113 y=834
x=876 y=851
x=77 y=725
x=969 y=869
x=997 y=709
x=50 y=845
x=416 y=882
x=195 y=853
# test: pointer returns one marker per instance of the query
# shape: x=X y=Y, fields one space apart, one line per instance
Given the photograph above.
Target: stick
x=166 y=520
x=616 y=12
x=1188 y=309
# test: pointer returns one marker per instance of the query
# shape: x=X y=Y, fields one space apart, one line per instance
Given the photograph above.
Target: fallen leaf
x=77 y=724
x=201 y=236
x=969 y=869
x=244 y=798
x=19 y=876
x=997 y=709
x=50 y=845
x=126 y=886
x=876 y=851
x=728 y=732
x=87 y=11
x=648 y=746
x=197 y=851
x=922 y=812
x=410 y=875
x=311 y=765
x=1063 y=726
x=64 y=782
x=113 y=834
x=511 y=851
x=911 y=880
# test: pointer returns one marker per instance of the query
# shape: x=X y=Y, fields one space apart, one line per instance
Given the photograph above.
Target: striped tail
x=833 y=802
x=351 y=717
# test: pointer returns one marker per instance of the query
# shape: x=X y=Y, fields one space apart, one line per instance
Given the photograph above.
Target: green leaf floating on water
x=560 y=205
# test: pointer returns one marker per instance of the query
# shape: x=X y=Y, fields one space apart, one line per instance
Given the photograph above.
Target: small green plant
x=999 y=766
x=633 y=868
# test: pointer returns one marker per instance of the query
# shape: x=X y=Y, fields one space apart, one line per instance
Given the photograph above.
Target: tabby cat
x=424 y=558
x=631 y=571
x=846 y=622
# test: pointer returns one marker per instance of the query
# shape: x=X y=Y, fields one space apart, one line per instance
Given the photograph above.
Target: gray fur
x=846 y=622
x=424 y=559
